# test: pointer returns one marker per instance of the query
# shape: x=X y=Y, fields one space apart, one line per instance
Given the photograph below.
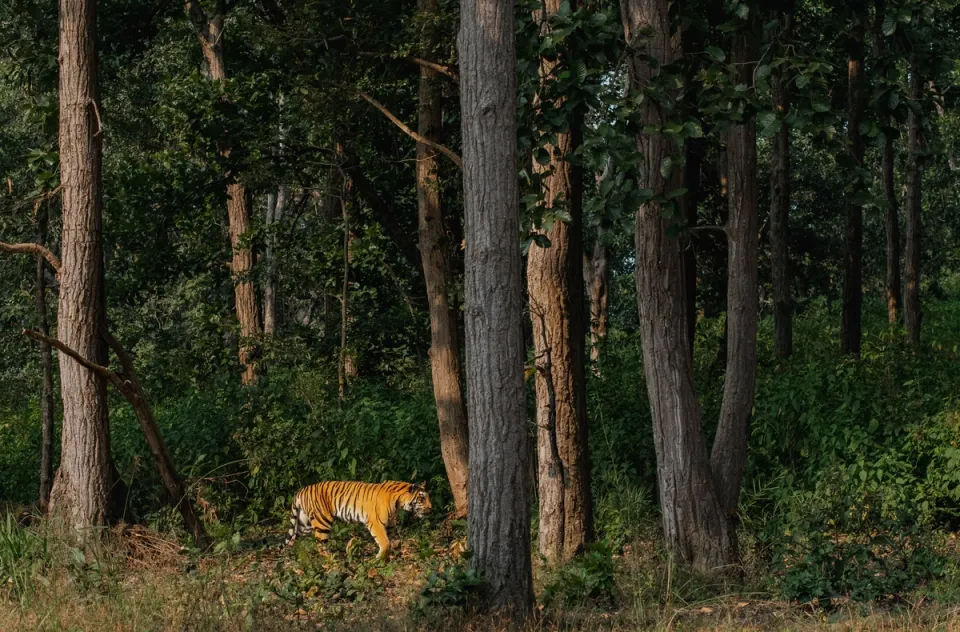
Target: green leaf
x=666 y=167
x=716 y=53
x=763 y=71
x=803 y=80
x=889 y=25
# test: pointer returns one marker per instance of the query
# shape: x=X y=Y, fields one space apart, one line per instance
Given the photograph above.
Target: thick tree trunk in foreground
x=729 y=454
x=46 y=359
x=911 y=295
x=438 y=273
x=780 y=211
x=498 y=529
x=555 y=285
x=694 y=522
x=850 y=333
x=597 y=277
x=209 y=32
x=80 y=491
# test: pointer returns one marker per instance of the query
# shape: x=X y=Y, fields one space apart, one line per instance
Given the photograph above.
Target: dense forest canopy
x=598 y=273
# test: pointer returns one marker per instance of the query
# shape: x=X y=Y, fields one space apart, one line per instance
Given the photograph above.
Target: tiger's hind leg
x=379 y=532
x=299 y=524
x=321 y=532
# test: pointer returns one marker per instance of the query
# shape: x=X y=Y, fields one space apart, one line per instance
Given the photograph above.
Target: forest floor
x=139 y=580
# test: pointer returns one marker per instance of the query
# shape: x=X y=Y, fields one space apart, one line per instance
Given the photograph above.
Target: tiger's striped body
x=315 y=507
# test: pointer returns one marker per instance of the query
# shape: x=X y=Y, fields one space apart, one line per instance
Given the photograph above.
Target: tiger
x=373 y=504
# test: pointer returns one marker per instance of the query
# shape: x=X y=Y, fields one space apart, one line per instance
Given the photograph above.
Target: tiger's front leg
x=379 y=533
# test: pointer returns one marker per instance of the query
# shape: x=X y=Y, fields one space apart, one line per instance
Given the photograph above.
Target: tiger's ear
x=415 y=487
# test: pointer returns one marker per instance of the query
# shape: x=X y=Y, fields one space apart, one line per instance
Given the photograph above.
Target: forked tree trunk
x=209 y=31
x=597 y=277
x=438 y=273
x=80 y=490
x=498 y=530
x=911 y=296
x=780 y=210
x=729 y=454
x=694 y=522
x=850 y=334
x=555 y=286
x=46 y=359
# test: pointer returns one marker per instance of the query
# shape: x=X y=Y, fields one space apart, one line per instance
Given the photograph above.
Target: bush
x=588 y=577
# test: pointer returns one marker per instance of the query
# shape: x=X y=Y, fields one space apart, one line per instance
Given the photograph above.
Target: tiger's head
x=418 y=501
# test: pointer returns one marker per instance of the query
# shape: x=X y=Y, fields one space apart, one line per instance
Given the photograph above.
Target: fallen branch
x=32 y=249
x=409 y=132
x=129 y=386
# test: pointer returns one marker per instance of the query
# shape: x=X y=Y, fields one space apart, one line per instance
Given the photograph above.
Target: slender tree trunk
x=438 y=274
x=344 y=365
x=853 y=272
x=912 y=314
x=46 y=358
x=597 y=277
x=82 y=485
x=694 y=522
x=780 y=211
x=498 y=530
x=555 y=286
x=729 y=454
x=275 y=206
x=688 y=210
x=888 y=168
x=209 y=32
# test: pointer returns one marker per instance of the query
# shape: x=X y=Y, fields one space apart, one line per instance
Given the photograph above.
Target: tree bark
x=850 y=334
x=343 y=366
x=555 y=286
x=688 y=210
x=911 y=295
x=498 y=530
x=438 y=274
x=209 y=31
x=597 y=277
x=46 y=359
x=80 y=491
x=695 y=525
x=729 y=454
x=275 y=207
x=780 y=211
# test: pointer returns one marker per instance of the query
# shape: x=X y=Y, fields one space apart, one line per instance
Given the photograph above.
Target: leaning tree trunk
x=555 y=286
x=694 y=522
x=438 y=274
x=46 y=359
x=82 y=485
x=911 y=296
x=850 y=333
x=780 y=211
x=209 y=31
x=729 y=454
x=498 y=530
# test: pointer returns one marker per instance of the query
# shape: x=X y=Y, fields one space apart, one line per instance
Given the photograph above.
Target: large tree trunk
x=209 y=32
x=46 y=359
x=597 y=277
x=438 y=273
x=80 y=491
x=850 y=333
x=911 y=296
x=729 y=454
x=555 y=286
x=780 y=211
x=694 y=522
x=498 y=530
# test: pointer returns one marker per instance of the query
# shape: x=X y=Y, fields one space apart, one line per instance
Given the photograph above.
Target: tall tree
x=911 y=296
x=555 y=286
x=46 y=359
x=780 y=201
x=498 y=527
x=209 y=31
x=851 y=329
x=80 y=490
x=435 y=255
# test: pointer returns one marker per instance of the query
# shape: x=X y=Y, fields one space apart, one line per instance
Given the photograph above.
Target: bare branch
x=705 y=229
x=449 y=71
x=409 y=132
x=32 y=249
x=102 y=371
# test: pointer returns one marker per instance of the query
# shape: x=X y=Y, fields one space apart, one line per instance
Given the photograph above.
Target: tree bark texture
x=555 y=286
x=695 y=526
x=911 y=295
x=850 y=334
x=780 y=211
x=46 y=358
x=209 y=30
x=688 y=210
x=80 y=490
x=498 y=529
x=274 y=213
x=729 y=455
x=438 y=273
x=597 y=278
